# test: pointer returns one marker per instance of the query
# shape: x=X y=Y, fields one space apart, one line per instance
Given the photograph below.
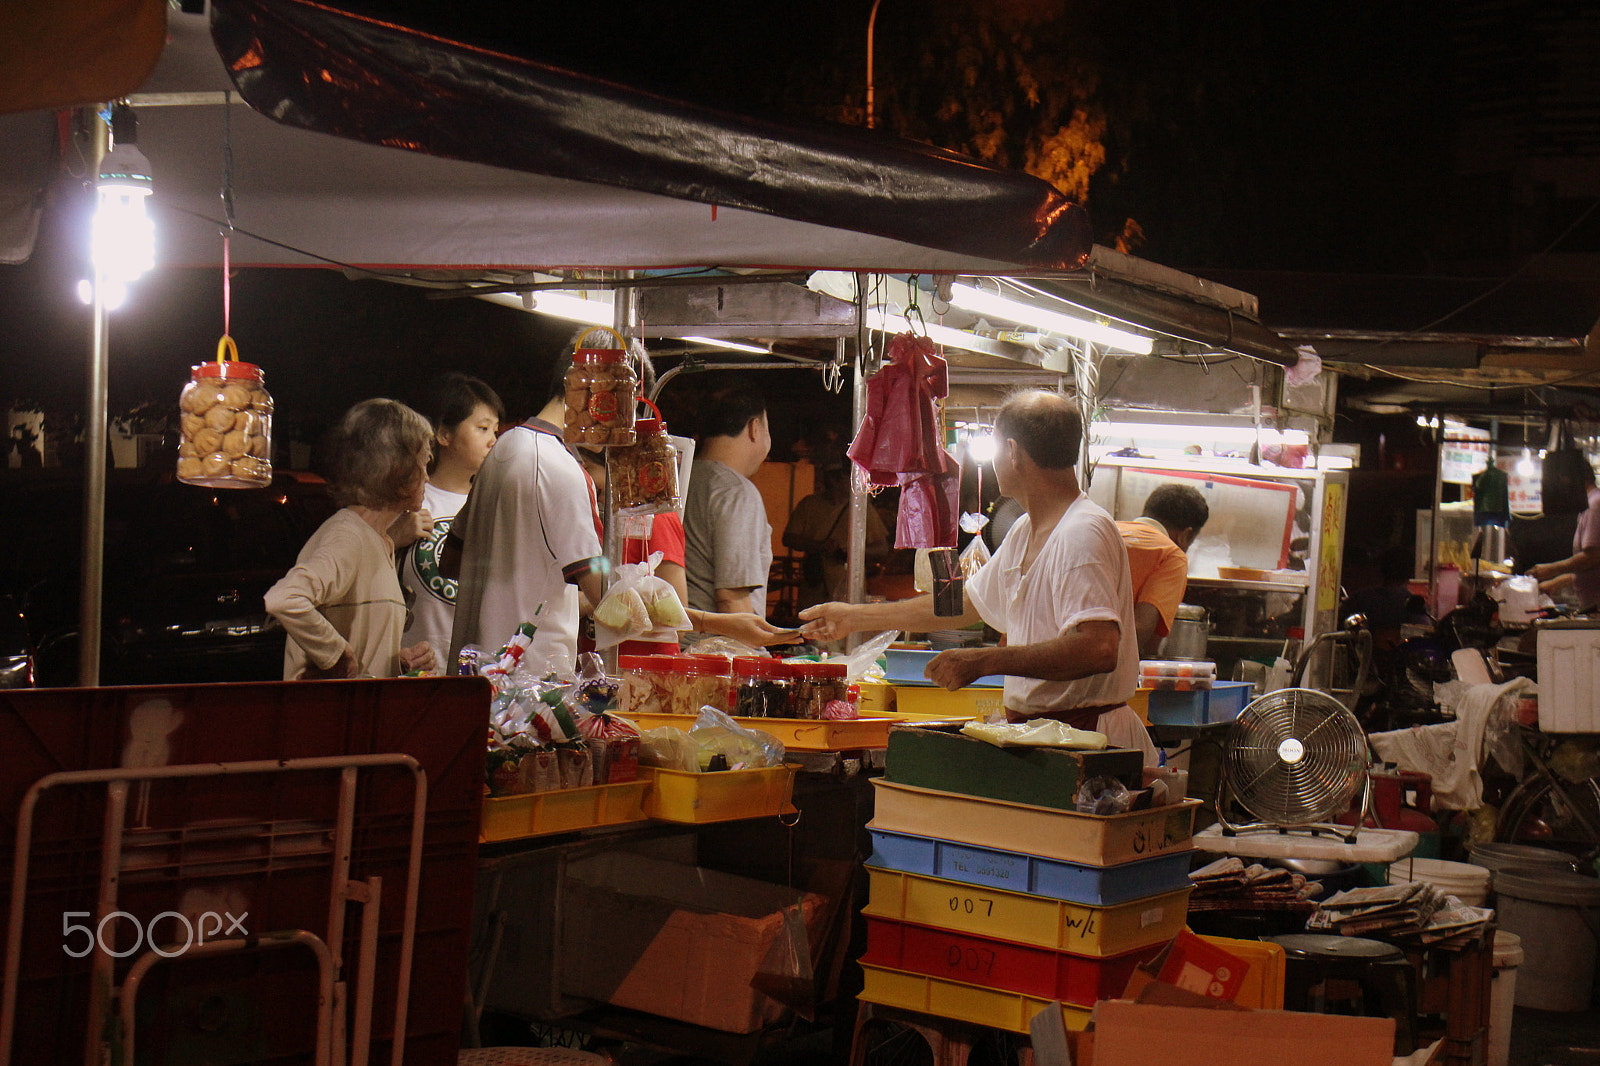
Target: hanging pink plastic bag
x=900 y=431
x=930 y=510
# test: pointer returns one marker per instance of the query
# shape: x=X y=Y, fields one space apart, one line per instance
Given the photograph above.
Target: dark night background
x=1424 y=139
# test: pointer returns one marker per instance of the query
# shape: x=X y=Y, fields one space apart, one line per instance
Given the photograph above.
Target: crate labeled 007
x=1036 y=921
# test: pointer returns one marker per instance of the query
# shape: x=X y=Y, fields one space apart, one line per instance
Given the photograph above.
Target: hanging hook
x=913 y=315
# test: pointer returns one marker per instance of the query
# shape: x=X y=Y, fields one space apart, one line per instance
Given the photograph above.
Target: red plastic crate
x=977 y=960
x=259 y=843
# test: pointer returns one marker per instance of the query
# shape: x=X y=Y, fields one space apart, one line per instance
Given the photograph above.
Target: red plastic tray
x=977 y=960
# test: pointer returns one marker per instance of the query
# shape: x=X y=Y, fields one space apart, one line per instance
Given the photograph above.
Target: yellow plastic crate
x=565 y=810
x=968 y=1003
x=877 y=697
x=1095 y=840
x=980 y=702
x=1140 y=702
x=1262 y=988
x=797 y=734
x=719 y=796
x=1037 y=921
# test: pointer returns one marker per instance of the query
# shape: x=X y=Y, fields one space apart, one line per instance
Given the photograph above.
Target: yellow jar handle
x=225 y=346
x=622 y=344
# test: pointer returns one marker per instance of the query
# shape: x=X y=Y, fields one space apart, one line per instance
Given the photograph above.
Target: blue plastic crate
x=1019 y=872
x=905 y=665
x=1226 y=699
x=1222 y=702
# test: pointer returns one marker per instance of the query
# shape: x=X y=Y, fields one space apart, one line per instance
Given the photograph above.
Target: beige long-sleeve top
x=342 y=590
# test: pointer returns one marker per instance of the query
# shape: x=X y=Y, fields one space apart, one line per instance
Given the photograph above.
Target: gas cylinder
x=1391 y=811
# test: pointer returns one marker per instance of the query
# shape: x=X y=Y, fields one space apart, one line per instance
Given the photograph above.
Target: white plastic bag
x=639 y=606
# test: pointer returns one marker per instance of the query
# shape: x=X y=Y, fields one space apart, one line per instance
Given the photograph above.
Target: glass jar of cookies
x=225 y=423
x=601 y=390
x=644 y=475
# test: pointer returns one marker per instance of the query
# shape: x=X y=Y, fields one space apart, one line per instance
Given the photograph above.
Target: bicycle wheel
x=1563 y=818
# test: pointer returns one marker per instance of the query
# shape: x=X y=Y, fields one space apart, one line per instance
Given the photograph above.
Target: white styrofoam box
x=1569 y=679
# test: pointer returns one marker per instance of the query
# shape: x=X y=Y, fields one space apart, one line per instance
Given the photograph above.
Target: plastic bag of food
x=668 y=748
x=1039 y=733
x=715 y=733
x=1103 y=795
x=639 y=606
x=863 y=662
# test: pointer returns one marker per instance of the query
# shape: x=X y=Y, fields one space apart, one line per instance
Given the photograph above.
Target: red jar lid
x=704 y=665
x=658 y=664
x=646 y=427
x=234 y=370
x=821 y=671
x=759 y=668
x=599 y=355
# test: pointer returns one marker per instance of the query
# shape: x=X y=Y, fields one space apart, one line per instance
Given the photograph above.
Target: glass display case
x=1266 y=567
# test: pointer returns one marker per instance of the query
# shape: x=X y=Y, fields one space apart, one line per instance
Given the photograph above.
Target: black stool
x=1385 y=982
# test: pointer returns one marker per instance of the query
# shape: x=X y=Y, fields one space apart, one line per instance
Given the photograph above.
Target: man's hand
x=1544 y=571
x=410 y=527
x=957 y=668
x=752 y=629
x=419 y=657
x=827 y=621
x=345 y=667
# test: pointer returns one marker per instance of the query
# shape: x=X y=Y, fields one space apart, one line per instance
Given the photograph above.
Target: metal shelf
x=1248 y=586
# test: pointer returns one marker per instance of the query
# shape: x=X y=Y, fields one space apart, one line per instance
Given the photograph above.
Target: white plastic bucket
x=1496 y=856
x=1502 y=995
x=1463 y=880
x=1557 y=915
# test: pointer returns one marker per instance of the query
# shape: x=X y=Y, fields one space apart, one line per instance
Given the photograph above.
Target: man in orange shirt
x=1157 y=542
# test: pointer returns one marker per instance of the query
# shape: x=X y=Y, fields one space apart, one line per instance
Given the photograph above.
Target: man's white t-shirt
x=1080 y=575
x=528 y=518
x=431 y=594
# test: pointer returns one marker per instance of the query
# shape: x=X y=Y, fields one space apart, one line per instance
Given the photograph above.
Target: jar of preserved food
x=225 y=424
x=644 y=475
x=761 y=687
x=706 y=682
x=819 y=690
x=601 y=390
x=648 y=683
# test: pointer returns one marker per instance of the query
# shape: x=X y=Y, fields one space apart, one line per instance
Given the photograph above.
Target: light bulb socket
x=125 y=167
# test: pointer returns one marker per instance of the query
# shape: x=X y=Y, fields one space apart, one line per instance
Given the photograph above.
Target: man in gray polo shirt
x=728 y=542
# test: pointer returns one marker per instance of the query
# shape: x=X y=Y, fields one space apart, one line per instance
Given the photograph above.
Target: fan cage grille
x=1282 y=785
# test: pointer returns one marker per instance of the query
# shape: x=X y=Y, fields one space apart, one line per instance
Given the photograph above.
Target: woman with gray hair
x=341 y=604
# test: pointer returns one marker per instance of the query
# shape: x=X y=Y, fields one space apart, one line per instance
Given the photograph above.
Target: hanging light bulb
x=123 y=242
x=1525 y=467
x=981 y=447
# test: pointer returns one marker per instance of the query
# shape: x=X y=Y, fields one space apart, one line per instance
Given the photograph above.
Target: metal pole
x=94 y=462
x=872 y=22
x=856 y=572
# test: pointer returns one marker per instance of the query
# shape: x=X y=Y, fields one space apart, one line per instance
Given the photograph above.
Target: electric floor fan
x=1294 y=759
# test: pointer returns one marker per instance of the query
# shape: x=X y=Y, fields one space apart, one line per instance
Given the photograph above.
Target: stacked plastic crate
x=991 y=897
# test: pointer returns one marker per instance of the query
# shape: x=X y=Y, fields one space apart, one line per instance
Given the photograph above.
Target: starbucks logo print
x=425 y=554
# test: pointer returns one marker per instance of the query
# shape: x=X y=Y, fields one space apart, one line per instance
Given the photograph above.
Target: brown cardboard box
x=1138 y=1034
x=683 y=942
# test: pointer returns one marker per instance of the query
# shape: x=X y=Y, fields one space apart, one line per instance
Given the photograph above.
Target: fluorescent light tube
x=976 y=300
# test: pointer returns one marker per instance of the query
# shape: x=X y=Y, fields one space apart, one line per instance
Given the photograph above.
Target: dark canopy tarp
x=318 y=69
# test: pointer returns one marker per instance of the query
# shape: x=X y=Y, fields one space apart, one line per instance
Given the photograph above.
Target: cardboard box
x=1041 y=777
x=1138 y=1034
x=682 y=942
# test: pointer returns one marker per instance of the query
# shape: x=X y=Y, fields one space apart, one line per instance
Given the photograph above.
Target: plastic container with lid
x=225 y=424
x=647 y=683
x=644 y=475
x=704 y=680
x=820 y=690
x=761 y=687
x=601 y=391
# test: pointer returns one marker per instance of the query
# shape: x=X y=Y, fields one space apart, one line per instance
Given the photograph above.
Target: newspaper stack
x=1229 y=885
x=1413 y=911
